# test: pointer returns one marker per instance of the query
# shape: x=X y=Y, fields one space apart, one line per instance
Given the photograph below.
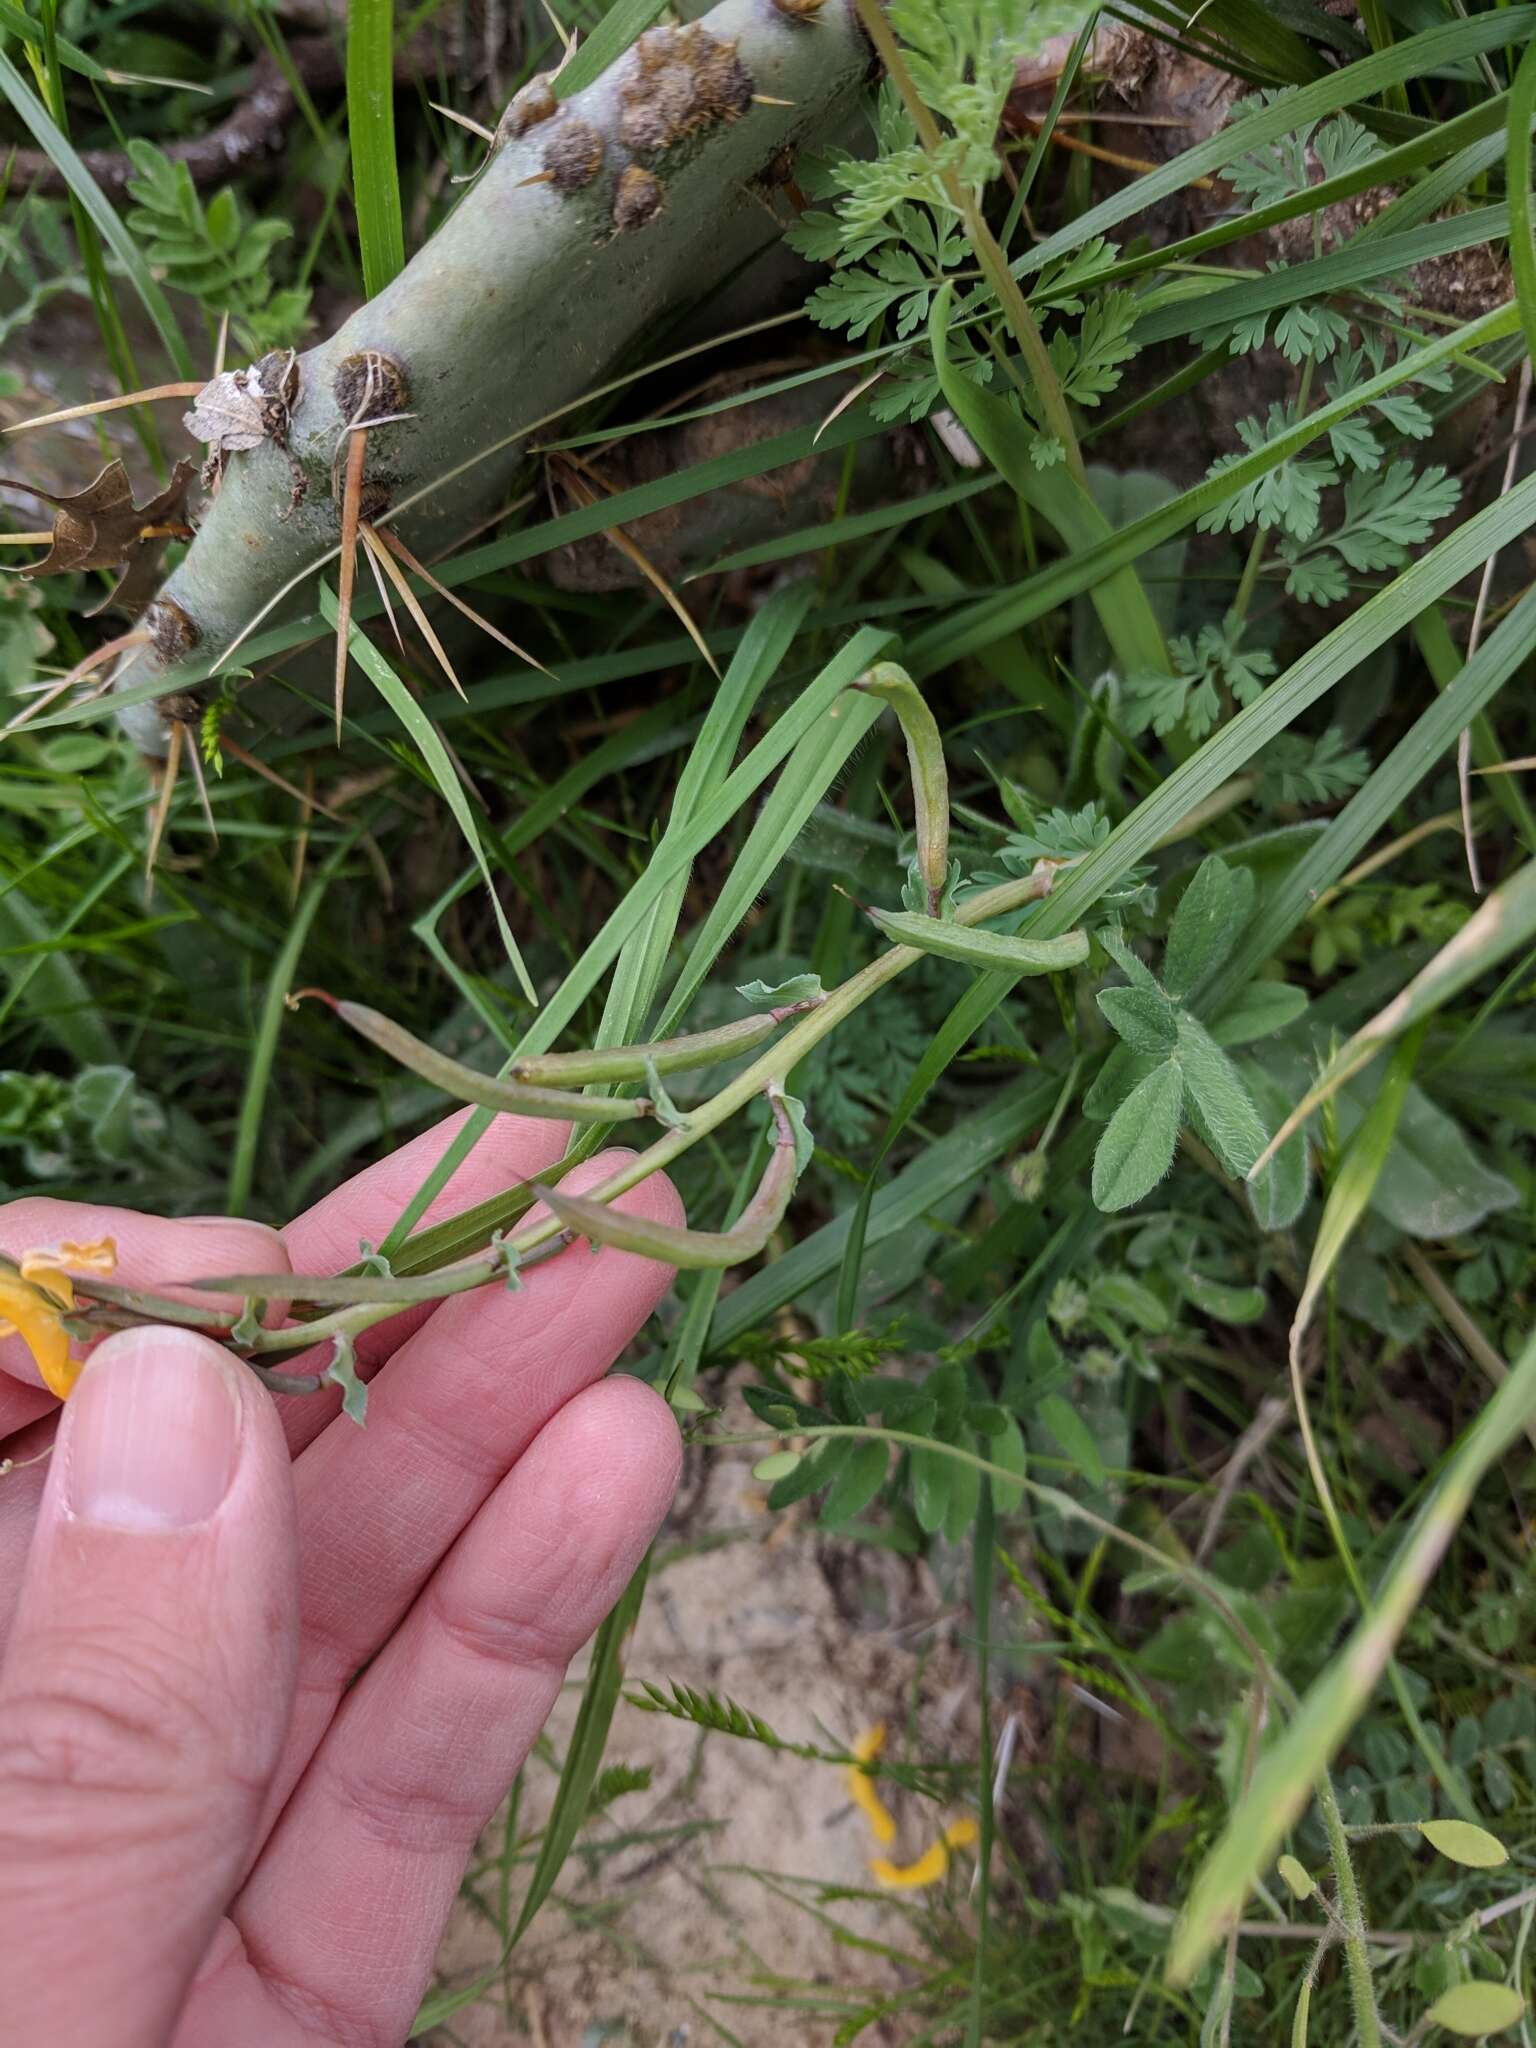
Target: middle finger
x=448 y=1416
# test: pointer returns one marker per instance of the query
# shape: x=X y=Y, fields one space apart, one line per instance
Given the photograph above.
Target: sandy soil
x=692 y=1908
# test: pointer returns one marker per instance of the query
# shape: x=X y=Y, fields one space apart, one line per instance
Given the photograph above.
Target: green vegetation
x=1065 y=898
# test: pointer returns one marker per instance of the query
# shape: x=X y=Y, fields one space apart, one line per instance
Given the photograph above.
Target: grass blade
x=589 y=1738
x=1505 y=922
x=371 y=136
x=429 y=743
x=99 y=210
x=253 y=1104
x=1522 y=241
x=1281 y=1784
x=619 y=27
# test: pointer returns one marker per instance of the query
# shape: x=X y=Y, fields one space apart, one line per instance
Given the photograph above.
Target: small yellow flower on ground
x=861 y=1789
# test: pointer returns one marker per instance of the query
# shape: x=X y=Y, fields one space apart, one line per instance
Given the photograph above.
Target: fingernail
x=152 y=1432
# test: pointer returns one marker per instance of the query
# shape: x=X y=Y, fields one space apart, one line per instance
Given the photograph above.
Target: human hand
x=209 y=1834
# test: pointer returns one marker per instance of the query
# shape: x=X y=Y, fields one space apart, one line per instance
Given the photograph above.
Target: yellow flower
x=34 y=1302
x=861 y=1788
x=930 y=1866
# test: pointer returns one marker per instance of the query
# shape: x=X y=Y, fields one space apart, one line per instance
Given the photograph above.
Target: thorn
x=223 y=345
x=163 y=803
x=381 y=586
x=24 y=540
x=634 y=553
x=106 y=651
x=346 y=577
x=381 y=558
x=258 y=767
x=463 y=121
x=538 y=178
x=764 y=99
x=295 y=996
x=84 y=412
x=398 y=547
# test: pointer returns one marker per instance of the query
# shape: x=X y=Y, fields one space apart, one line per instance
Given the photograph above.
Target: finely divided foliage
x=1069 y=656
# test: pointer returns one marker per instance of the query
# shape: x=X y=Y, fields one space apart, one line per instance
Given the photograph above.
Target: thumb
x=146 y=1690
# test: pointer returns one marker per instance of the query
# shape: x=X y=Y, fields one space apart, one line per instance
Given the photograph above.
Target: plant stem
x=994 y=264
x=1357 y=1962
x=770 y=1067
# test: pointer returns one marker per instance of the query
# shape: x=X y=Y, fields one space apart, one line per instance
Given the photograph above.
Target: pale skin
x=208 y=1831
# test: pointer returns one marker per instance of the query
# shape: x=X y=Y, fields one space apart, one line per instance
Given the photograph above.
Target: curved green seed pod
x=595 y=222
x=930 y=777
x=664 y=1056
x=691 y=1249
x=982 y=949
x=468 y=1084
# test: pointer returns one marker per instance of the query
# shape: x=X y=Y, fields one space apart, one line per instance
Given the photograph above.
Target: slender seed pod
x=930 y=777
x=674 y=1245
x=982 y=949
x=468 y=1084
x=665 y=1056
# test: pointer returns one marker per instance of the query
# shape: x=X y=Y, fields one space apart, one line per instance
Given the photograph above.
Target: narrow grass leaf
x=1282 y=1782
x=589 y=1739
x=672 y=860
x=1522 y=240
x=1352 y=85
x=426 y=738
x=1503 y=924
x=98 y=208
x=371 y=139
x=620 y=26
x=258 y=1073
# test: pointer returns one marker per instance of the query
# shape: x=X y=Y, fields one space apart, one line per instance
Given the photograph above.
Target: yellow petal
x=98 y=1256
x=35 y=1317
x=961 y=1833
x=870 y=1743
x=861 y=1788
x=928 y=1869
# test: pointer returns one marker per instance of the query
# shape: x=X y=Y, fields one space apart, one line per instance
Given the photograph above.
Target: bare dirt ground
x=689 y=1914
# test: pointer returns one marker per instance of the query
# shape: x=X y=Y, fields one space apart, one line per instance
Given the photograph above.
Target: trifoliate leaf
x=1142 y=1019
x=1137 y=1147
x=1263 y=1008
x=1219 y=1101
x=1211 y=912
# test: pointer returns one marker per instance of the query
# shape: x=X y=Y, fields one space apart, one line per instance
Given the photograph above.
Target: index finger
x=155 y=1252
x=329 y=1237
